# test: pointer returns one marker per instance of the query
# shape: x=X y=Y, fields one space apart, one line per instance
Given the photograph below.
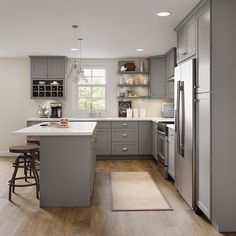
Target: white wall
x=16 y=105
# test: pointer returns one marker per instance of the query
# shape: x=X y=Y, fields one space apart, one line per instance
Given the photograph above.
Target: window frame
x=86 y=112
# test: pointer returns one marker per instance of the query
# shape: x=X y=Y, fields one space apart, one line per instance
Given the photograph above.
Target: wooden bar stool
x=24 y=160
x=35 y=140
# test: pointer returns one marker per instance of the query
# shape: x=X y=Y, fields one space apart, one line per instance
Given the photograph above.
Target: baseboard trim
x=6 y=154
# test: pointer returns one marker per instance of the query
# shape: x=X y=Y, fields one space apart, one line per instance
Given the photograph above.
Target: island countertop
x=74 y=129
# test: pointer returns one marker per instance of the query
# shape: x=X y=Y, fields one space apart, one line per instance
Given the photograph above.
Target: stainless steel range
x=162 y=146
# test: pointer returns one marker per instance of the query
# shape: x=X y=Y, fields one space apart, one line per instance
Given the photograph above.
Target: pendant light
x=76 y=72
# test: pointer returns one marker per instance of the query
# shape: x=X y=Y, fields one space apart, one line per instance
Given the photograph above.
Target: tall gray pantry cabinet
x=213 y=24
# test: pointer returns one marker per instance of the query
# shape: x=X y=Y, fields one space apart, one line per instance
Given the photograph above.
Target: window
x=91 y=90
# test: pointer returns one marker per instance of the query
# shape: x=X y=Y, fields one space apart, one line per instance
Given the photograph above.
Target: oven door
x=162 y=148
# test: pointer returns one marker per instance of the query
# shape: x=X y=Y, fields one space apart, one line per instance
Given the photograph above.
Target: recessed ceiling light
x=139 y=49
x=163 y=13
x=74 y=49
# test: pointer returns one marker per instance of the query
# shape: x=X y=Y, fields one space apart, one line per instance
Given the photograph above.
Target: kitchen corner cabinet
x=48 y=67
x=157 y=75
x=145 y=138
x=186 y=40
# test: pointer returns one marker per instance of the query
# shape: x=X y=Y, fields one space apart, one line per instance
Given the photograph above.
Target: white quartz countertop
x=171 y=126
x=154 y=119
x=74 y=129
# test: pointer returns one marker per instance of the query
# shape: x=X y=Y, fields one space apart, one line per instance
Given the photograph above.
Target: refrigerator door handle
x=177 y=117
x=182 y=119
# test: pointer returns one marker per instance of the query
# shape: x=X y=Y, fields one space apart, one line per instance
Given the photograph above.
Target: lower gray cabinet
x=103 y=146
x=145 y=137
x=93 y=163
x=124 y=148
x=171 y=152
x=203 y=152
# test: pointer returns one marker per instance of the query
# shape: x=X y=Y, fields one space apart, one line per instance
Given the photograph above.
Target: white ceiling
x=110 y=28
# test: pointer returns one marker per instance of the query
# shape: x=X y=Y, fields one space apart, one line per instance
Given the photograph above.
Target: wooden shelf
x=133 y=85
x=133 y=72
x=137 y=97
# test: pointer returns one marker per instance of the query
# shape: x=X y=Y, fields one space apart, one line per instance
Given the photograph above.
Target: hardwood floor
x=25 y=218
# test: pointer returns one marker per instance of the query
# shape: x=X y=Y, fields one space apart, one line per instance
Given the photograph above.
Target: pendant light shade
x=76 y=71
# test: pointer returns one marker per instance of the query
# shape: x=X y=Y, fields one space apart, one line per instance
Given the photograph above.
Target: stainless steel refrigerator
x=185 y=78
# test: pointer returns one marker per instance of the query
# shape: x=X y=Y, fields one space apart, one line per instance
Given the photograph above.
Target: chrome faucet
x=92 y=112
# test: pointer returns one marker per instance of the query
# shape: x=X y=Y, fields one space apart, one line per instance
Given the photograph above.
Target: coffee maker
x=56 y=110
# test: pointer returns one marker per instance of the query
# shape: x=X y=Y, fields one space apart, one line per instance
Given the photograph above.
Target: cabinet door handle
x=124 y=149
x=124 y=135
x=196 y=100
x=185 y=53
x=124 y=124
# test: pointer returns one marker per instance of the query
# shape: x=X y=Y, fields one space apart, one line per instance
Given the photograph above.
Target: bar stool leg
x=35 y=174
x=25 y=167
x=12 y=181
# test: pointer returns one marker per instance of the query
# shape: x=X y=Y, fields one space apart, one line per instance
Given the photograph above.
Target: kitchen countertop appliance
x=162 y=146
x=56 y=110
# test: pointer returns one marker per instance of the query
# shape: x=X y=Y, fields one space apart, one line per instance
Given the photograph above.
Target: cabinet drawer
x=125 y=135
x=125 y=124
x=120 y=148
x=103 y=125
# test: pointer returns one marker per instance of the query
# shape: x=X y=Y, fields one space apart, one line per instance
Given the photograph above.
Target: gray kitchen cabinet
x=171 y=153
x=203 y=153
x=186 y=40
x=93 y=163
x=145 y=137
x=203 y=42
x=124 y=148
x=127 y=135
x=39 y=68
x=157 y=75
x=56 y=68
x=154 y=140
x=170 y=89
x=170 y=63
x=103 y=137
x=48 y=67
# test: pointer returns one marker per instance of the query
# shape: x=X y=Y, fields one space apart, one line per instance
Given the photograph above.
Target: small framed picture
x=122 y=107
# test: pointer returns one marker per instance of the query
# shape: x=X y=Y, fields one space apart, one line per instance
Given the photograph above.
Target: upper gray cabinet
x=170 y=63
x=39 y=68
x=48 y=67
x=186 y=40
x=56 y=68
x=157 y=74
x=203 y=45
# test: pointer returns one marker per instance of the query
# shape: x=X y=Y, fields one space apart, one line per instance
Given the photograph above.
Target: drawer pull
x=124 y=149
x=124 y=135
x=124 y=124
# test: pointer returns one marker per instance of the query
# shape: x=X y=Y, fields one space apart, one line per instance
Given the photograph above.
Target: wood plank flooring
x=25 y=218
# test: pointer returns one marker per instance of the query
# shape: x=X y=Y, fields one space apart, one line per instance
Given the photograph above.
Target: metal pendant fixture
x=76 y=72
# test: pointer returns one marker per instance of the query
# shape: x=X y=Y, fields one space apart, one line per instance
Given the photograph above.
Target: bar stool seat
x=25 y=160
x=24 y=148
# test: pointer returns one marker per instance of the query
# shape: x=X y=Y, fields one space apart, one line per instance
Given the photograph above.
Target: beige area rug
x=136 y=191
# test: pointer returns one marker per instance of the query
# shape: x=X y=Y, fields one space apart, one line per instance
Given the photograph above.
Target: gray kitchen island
x=67 y=163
